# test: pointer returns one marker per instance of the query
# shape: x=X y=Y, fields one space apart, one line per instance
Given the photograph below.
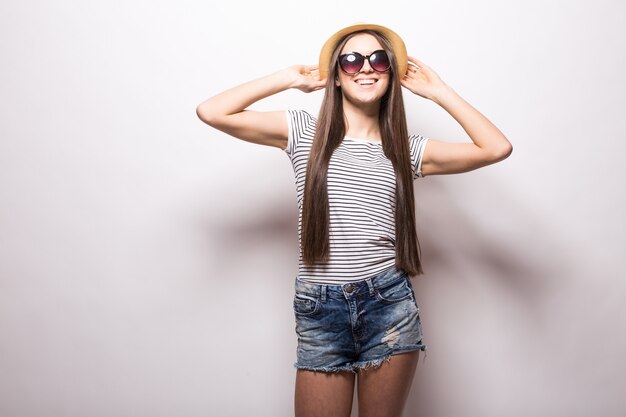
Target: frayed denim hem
x=356 y=366
x=378 y=362
x=327 y=369
x=410 y=348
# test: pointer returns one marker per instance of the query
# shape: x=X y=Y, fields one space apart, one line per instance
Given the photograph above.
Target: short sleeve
x=301 y=124
x=417 y=145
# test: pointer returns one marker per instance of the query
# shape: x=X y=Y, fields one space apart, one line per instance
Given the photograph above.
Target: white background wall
x=147 y=260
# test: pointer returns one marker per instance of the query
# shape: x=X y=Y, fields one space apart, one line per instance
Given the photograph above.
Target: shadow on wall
x=472 y=230
x=480 y=246
x=254 y=231
x=464 y=223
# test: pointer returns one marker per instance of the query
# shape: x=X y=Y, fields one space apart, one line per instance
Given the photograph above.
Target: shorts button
x=349 y=288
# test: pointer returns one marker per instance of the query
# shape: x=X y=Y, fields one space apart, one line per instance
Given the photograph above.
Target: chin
x=366 y=99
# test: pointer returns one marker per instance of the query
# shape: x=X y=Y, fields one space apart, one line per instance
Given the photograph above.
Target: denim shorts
x=356 y=325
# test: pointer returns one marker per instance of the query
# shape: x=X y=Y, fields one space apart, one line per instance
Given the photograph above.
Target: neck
x=362 y=120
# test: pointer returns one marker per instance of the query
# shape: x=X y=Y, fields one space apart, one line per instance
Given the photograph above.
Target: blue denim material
x=356 y=325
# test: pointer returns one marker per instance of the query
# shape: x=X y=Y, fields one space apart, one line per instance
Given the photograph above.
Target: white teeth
x=366 y=82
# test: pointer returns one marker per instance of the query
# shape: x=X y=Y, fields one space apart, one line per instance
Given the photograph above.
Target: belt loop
x=370 y=285
x=323 y=290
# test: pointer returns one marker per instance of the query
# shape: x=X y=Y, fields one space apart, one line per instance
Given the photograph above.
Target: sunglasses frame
x=364 y=58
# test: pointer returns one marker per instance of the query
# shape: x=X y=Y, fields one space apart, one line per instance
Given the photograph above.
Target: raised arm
x=227 y=111
x=488 y=144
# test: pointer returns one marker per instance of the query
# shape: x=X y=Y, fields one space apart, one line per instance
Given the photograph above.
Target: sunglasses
x=351 y=63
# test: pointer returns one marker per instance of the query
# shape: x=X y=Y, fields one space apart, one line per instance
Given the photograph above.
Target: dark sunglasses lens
x=379 y=61
x=351 y=63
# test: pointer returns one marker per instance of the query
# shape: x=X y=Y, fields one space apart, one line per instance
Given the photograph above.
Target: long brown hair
x=329 y=134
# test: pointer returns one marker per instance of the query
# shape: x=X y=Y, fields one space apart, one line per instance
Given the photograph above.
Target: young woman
x=356 y=315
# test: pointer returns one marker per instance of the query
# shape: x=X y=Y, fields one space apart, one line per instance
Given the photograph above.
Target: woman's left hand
x=420 y=79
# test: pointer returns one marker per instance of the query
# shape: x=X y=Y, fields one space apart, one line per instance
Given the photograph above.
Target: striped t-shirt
x=361 y=198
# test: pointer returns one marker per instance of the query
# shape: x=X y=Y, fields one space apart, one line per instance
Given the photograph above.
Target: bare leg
x=324 y=394
x=383 y=391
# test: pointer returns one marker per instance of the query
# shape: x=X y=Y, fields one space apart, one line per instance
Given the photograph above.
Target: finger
x=320 y=83
x=419 y=63
x=416 y=63
x=412 y=71
x=413 y=68
x=317 y=87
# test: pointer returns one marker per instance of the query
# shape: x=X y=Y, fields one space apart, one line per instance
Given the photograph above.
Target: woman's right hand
x=228 y=111
x=305 y=78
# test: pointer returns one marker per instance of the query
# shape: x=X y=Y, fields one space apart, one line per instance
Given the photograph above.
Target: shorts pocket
x=398 y=291
x=305 y=304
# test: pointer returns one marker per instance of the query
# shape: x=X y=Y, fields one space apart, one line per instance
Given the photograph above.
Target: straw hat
x=397 y=44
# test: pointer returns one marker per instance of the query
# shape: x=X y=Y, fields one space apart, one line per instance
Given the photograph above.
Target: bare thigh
x=324 y=394
x=383 y=391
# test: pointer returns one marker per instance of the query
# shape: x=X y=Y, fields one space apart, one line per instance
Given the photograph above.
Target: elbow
x=506 y=150
x=203 y=114
x=502 y=152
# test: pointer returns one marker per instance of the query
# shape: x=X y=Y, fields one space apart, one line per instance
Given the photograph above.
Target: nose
x=366 y=66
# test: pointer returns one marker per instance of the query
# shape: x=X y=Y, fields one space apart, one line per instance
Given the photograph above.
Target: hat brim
x=397 y=44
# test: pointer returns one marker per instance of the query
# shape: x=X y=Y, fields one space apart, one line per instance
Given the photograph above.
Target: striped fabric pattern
x=361 y=195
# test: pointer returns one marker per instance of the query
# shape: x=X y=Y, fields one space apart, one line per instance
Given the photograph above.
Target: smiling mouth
x=366 y=82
